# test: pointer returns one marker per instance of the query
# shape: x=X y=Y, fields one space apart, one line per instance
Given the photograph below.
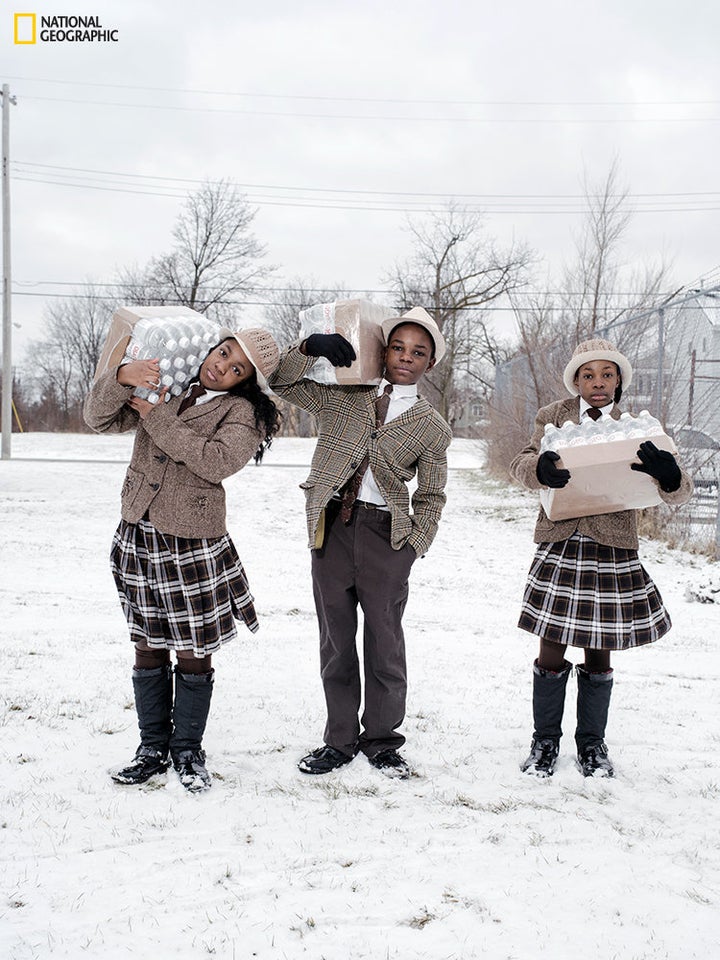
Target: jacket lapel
x=415 y=412
x=200 y=409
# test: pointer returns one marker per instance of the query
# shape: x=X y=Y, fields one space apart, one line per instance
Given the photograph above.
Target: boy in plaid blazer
x=363 y=537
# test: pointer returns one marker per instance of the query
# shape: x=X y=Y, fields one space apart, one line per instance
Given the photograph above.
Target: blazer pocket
x=132 y=485
x=192 y=502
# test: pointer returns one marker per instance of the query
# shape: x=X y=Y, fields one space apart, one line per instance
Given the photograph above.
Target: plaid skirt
x=584 y=594
x=179 y=593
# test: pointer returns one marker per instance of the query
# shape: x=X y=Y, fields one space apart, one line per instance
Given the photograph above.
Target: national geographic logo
x=61 y=29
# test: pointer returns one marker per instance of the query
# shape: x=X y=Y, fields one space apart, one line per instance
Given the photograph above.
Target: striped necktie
x=197 y=390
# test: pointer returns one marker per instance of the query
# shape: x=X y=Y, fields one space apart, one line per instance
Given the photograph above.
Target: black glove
x=548 y=474
x=659 y=464
x=332 y=346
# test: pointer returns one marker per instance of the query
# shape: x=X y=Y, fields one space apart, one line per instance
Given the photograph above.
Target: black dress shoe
x=323 y=760
x=148 y=761
x=391 y=764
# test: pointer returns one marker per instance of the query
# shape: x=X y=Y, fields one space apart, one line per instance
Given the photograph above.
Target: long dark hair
x=267 y=415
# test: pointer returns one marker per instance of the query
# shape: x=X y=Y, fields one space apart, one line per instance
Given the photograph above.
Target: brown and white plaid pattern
x=416 y=442
x=584 y=594
x=178 y=593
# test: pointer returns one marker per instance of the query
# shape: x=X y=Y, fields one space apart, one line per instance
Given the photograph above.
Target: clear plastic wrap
x=359 y=322
x=178 y=337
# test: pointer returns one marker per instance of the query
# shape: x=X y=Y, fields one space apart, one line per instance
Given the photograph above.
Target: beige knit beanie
x=591 y=350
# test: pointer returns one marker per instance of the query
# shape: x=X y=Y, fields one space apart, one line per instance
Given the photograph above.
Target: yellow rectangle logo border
x=33 y=16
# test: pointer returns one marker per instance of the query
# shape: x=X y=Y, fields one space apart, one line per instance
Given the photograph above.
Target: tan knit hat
x=591 y=350
x=261 y=350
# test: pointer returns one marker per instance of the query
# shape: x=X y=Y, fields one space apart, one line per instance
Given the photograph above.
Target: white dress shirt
x=585 y=406
x=403 y=396
x=205 y=397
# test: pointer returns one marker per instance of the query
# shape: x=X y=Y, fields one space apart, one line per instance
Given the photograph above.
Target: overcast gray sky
x=332 y=114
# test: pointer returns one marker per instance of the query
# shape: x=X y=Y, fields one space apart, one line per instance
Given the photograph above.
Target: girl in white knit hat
x=586 y=586
x=180 y=581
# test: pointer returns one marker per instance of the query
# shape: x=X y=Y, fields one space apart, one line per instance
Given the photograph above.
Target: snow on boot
x=193 y=692
x=548 y=705
x=191 y=769
x=595 y=762
x=542 y=758
x=593 y=704
x=148 y=761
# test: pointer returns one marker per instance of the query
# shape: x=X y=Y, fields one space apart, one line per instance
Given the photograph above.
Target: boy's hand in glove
x=332 y=346
x=659 y=464
x=548 y=474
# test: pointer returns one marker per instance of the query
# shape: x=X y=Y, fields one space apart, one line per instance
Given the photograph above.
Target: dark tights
x=147 y=658
x=552 y=657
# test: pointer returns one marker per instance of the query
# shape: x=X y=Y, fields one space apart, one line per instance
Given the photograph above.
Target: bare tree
x=63 y=363
x=591 y=291
x=215 y=259
x=590 y=299
x=457 y=273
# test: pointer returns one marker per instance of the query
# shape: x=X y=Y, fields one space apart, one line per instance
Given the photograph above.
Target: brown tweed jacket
x=178 y=462
x=416 y=442
x=612 y=529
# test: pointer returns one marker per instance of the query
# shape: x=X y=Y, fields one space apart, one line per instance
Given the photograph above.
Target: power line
x=368 y=117
x=398 y=193
x=300 y=304
x=408 y=100
x=367 y=205
x=85 y=284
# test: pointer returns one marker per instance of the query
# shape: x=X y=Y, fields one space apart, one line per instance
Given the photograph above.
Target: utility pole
x=7 y=381
x=691 y=393
x=661 y=364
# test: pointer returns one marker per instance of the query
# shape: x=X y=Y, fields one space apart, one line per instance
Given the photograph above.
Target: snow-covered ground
x=467 y=859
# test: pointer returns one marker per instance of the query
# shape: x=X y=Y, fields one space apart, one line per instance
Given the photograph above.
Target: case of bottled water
x=598 y=454
x=178 y=337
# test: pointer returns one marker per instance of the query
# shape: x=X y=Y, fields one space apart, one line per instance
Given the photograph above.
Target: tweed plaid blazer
x=178 y=462
x=416 y=442
x=612 y=529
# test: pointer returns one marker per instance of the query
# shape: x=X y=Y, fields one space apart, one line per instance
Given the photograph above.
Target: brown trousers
x=358 y=565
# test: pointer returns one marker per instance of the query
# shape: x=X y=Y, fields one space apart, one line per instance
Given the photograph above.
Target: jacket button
x=160 y=457
x=154 y=486
x=374 y=434
x=353 y=466
x=336 y=488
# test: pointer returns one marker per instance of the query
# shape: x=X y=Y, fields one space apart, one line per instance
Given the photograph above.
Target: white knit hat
x=591 y=350
x=423 y=319
x=261 y=351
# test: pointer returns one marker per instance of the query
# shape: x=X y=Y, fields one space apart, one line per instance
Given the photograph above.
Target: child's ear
x=431 y=364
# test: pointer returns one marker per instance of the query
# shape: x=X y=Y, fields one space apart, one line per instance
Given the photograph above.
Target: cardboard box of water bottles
x=598 y=456
x=359 y=322
x=178 y=337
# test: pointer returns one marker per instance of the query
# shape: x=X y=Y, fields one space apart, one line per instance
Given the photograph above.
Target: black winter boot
x=193 y=692
x=153 y=703
x=548 y=704
x=593 y=703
